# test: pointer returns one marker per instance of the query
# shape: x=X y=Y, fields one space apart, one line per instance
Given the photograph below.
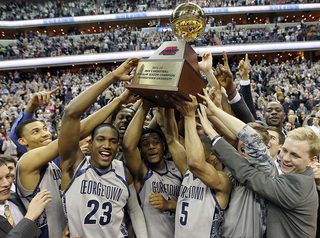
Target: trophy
x=173 y=68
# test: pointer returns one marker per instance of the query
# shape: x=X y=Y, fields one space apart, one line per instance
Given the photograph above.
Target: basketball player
x=96 y=189
x=205 y=189
x=36 y=172
x=156 y=180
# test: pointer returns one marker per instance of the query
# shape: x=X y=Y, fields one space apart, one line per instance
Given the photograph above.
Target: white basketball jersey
x=52 y=221
x=198 y=213
x=94 y=201
x=166 y=182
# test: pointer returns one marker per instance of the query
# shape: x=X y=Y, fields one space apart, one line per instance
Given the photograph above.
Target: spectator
x=287 y=105
x=8 y=147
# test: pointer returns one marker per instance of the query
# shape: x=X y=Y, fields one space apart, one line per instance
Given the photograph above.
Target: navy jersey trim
x=81 y=171
x=126 y=177
x=146 y=177
x=77 y=174
x=213 y=192
x=121 y=179
x=37 y=189
x=167 y=171
x=45 y=231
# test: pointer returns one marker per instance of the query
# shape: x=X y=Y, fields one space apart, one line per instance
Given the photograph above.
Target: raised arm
x=38 y=99
x=225 y=78
x=131 y=140
x=206 y=67
x=223 y=130
x=69 y=150
x=257 y=152
x=215 y=96
x=88 y=124
x=245 y=88
x=274 y=190
x=231 y=122
x=197 y=163
x=177 y=151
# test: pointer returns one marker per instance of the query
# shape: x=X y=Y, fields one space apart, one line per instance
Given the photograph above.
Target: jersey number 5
x=105 y=218
x=184 y=214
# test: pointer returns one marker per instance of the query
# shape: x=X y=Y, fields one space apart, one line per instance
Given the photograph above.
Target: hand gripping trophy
x=173 y=67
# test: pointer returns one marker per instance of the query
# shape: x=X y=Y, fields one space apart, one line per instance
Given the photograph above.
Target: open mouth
x=5 y=191
x=152 y=154
x=286 y=165
x=105 y=155
x=122 y=129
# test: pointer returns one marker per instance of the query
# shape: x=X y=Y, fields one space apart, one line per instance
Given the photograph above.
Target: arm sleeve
x=25 y=229
x=242 y=111
x=245 y=90
x=284 y=191
x=22 y=117
x=136 y=215
x=257 y=152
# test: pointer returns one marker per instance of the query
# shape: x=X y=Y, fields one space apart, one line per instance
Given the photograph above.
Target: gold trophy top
x=188 y=21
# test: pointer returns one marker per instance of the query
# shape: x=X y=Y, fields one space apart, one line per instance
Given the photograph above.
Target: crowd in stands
x=301 y=32
x=246 y=179
x=23 y=10
x=17 y=89
x=300 y=81
x=34 y=45
x=278 y=90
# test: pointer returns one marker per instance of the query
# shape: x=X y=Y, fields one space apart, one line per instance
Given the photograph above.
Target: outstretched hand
x=128 y=97
x=206 y=64
x=211 y=107
x=216 y=96
x=147 y=104
x=38 y=204
x=206 y=125
x=185 y=107
x=224 y=74
x=243 y=68
x=39 y=99
x=121 y=73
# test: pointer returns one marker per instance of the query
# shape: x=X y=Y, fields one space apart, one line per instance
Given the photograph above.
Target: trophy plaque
x=173 y=68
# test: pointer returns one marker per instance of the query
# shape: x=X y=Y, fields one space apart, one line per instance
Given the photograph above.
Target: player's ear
x=313 y=160
x=23 y=142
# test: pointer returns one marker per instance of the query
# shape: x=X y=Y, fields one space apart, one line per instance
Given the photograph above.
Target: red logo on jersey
x=169 y=51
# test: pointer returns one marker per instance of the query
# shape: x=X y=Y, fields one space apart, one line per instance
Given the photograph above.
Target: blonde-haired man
x=293 y=199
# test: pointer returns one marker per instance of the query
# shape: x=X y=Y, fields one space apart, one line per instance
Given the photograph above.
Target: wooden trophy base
x=172 y=69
